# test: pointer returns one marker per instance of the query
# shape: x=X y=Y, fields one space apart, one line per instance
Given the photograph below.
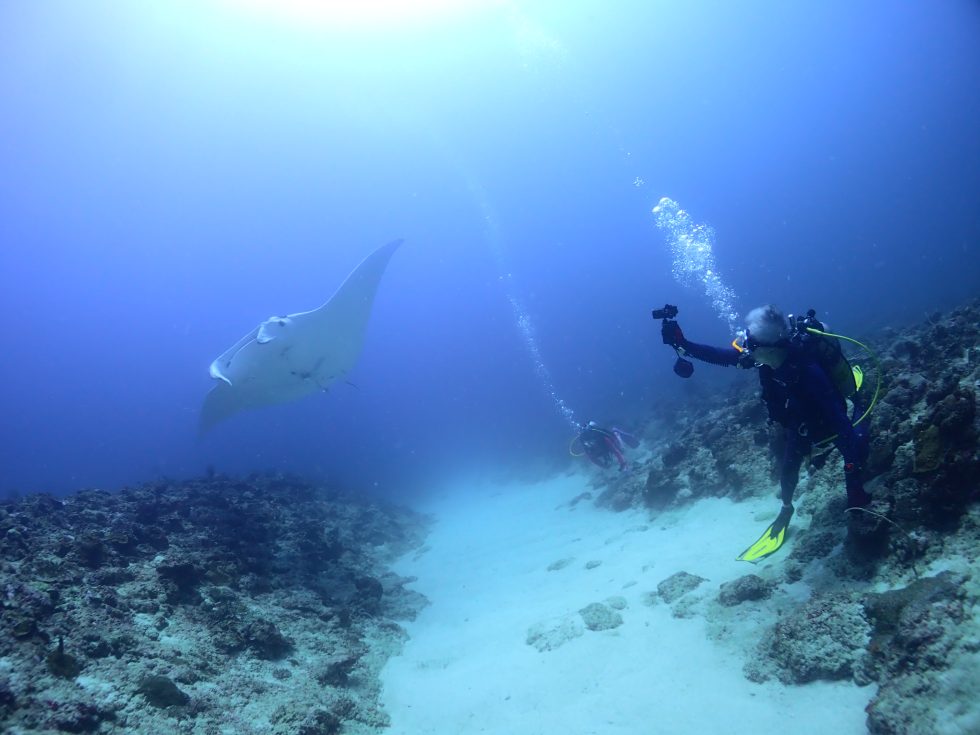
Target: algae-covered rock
x=181 y=580
x=745 y=589
x=922 y=656
x=160 y=691
x=549 y=635
x=928 y=449
x=62 y=664
x=598 y=616
x=677 y=585
x=901 y=612
x=321 y=722
x=266 y=640
x=617 y=602
x=560 y=564
x=823 y=639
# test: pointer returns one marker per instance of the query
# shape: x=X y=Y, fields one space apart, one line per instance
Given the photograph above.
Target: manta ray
x=288 y=357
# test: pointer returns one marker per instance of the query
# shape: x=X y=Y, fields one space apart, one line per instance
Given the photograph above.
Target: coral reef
x=677 y=591
x=822 y=639
x=677 y=585
x=749 y=588
x=918 y=646
x=219 y=605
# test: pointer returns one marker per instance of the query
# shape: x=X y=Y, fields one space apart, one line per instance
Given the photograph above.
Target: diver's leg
x=863 y=441
x=614 y=449
x=854 y=452
x=794 y=451
x=862 y=438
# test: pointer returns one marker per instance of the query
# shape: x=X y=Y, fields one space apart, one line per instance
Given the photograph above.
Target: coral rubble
x=222 y=605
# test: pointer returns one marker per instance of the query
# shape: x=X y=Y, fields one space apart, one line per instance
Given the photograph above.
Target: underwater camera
x=683 y=368
x=668 y=312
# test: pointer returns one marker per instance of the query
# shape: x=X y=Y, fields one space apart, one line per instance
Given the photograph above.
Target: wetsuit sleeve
x=725 y=356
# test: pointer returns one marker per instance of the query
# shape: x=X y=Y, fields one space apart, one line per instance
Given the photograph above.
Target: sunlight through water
x=361 y=14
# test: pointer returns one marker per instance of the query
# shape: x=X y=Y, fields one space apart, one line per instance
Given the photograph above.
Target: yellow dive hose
x=874 y=359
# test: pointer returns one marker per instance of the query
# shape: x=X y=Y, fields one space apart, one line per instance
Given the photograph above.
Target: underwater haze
x=173 y=173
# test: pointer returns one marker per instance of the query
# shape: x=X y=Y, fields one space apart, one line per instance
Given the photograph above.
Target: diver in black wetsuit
x=799 y=394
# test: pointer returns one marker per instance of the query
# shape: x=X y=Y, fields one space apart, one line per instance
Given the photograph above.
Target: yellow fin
x=766 y=545
x=858 y=376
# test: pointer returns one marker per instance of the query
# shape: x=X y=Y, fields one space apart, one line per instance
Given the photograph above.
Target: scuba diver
x=805 y=380
x=601 y=445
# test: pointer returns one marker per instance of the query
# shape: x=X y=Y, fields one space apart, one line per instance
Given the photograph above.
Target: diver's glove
x=672 y=334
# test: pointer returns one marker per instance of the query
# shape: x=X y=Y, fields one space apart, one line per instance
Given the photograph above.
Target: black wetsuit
x=801 y=397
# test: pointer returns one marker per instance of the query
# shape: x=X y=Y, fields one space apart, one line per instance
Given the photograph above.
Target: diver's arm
x=673 y=336
x=724 y=356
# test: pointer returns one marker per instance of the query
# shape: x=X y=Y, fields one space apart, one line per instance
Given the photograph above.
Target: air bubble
x=692 y=246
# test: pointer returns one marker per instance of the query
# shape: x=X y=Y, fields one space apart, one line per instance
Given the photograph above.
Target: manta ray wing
x=288 y=357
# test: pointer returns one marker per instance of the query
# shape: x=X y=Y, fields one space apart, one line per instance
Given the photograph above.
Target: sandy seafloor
x=467 y=667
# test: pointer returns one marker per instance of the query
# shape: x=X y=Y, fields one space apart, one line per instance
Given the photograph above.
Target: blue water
x=173 y=173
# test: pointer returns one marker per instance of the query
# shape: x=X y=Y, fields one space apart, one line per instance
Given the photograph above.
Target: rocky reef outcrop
x=246 y=605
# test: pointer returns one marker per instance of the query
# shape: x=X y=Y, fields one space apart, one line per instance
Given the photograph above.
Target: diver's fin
x=631 y=441
x=858 y=377
x=771 y=539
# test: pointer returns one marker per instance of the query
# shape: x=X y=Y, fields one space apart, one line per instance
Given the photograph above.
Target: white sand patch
x=469 y=669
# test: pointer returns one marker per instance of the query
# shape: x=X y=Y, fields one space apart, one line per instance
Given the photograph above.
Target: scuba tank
x=809 y=334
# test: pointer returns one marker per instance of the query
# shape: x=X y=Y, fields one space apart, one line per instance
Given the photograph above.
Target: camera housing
x=668 y=312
